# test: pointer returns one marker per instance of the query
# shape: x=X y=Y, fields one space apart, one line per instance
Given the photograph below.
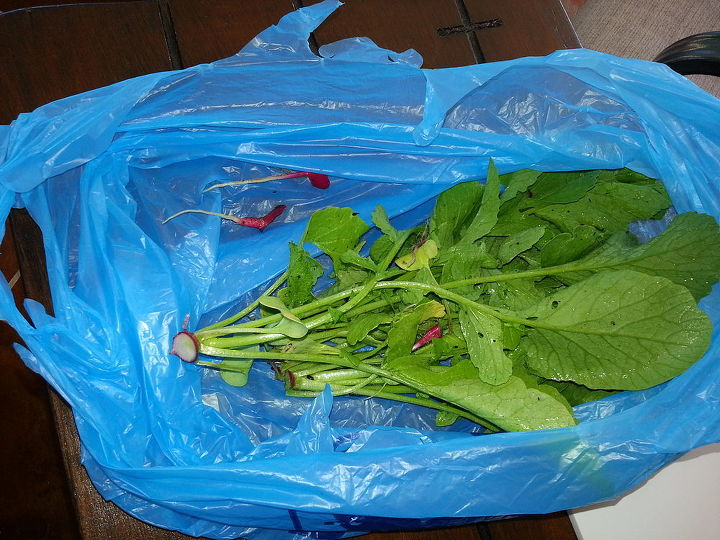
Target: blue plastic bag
x=175 y=446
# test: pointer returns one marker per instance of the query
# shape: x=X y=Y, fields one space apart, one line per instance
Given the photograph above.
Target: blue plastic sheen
x=174 y=445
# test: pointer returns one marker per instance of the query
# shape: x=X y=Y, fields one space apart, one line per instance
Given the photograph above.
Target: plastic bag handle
x=698 y=54
x=289 y=38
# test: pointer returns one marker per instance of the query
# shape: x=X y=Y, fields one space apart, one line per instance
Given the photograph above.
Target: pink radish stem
x=427 y=337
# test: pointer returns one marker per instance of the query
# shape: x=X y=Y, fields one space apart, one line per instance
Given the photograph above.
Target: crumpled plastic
x=172 y=444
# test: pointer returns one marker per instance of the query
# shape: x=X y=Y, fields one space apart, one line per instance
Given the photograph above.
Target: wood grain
x=467 y=532
x=208 y=30
x=45 y=54
x=400 y=25
x=556 y=526
x=33 y=504
x=10 y=5
x=98 y=518
x=53 y=52
x=529 y=28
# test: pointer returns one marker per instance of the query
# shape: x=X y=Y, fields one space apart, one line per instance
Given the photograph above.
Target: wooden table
x=47 y=53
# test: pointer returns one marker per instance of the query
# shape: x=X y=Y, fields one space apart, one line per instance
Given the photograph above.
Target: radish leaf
x=619 y=330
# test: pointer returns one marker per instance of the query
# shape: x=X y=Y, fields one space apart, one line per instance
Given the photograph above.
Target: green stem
x=321 y=303
x=249 y=308
x=327 y=317
x=381 y=268
x=335 y=360
x=424 y=402
x=361 y=384
x=274 y=354
x=443 y=292
x=509 y=276
x=319 y=386
x=208 y=338
x=430 y=403
x=253 y=305
x=339 y=361
x=307 y=368
x=337 y=375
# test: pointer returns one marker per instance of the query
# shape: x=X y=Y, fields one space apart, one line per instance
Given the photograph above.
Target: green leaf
x=577 y=394
x=445 y=418
x=619 y=330
x=511 y=336
x=515 y=294
x=382 y=221
x=424 y=276
x=454 y=208
x=460 y=263
x=512 y=406
x=609 y=207
x=302 y=275
x=359 y=327
x=335 y=314
x=568 y=247
x=290 y=328
x=403 y=334
x=559 y=188
x=483 y=335
x=238 y=376
x=517 y=182
x=511 y=220
x=447 y=346
x=347 y=277
x=380 y=248
x=335 y=230
x=273 y=302
x=487 y=215
x=519 y=242
x=420 y=256
x=354 y=258
x=289 y=325
x=686 y=253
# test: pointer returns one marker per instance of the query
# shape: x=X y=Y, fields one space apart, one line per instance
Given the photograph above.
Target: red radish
x=320 y=181
x=185 y=346
x=259 y=223
x=262 y=222
x=427 y=337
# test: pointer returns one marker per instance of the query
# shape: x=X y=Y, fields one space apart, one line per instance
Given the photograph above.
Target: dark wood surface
x=31 y=467
x=52 y=52
x=400 y=25
x=528 y=28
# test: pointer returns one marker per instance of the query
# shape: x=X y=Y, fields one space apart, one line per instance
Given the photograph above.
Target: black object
x=698 y=54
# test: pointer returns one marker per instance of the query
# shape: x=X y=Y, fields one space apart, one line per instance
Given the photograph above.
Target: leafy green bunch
x=515 y=301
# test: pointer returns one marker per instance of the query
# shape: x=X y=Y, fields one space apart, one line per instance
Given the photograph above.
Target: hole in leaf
x=555 y=304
